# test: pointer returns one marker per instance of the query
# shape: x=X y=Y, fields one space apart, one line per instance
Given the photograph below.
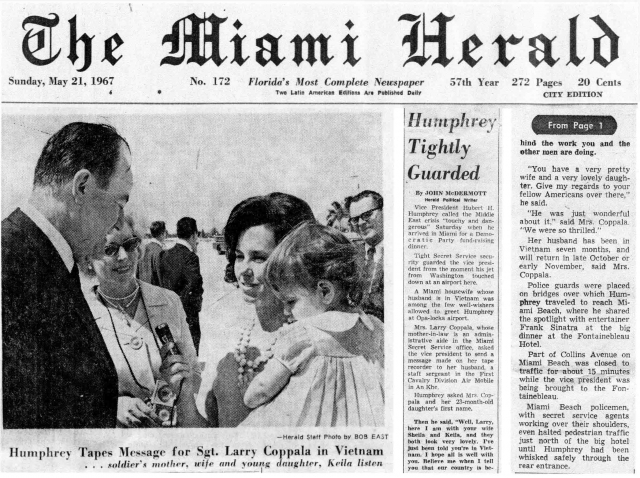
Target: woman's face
x=254 y=247
x=121 y=266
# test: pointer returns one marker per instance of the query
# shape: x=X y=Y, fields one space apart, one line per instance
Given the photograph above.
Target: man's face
x=103 y=208
x=368 y=220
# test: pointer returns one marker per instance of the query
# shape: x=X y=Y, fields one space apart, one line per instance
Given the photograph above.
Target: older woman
x=128 y=312
x=238 y=341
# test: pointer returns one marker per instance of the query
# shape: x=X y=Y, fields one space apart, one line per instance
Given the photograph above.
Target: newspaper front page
x=319 y=237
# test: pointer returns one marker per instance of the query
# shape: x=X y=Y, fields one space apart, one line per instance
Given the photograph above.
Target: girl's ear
x=326 y=291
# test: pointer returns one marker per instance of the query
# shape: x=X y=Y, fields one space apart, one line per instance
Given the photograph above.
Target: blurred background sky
x=201 y=165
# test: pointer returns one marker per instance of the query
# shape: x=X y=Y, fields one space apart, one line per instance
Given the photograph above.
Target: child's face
x=301 y=303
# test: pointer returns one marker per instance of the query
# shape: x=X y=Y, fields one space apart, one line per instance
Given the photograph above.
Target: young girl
x=327 y=367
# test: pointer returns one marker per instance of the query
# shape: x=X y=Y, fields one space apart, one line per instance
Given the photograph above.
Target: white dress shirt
x=185 y=244
x=377 y=255
x=153 y=239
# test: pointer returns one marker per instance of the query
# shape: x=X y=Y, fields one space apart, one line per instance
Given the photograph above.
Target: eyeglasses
x=365 y=216
x=129 y=246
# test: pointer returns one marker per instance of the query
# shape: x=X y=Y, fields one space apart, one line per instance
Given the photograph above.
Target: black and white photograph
x=193 y=270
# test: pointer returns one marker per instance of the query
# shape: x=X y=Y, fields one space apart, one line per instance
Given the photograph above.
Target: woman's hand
x=134 y=413
x=176 y=371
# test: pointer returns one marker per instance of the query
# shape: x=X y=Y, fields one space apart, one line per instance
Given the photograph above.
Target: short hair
x=136 y=233
x=157 y=229
x=281 y=212
x=186 y=227
x=77 y=146
x=87 y=268
x=311 y=253
x=367 y=193
x=128 y=220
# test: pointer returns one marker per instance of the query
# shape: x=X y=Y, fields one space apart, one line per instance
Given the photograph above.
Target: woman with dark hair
x=240 y=341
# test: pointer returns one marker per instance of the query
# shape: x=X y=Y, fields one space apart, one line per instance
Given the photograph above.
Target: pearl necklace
x=122 y=309
x=247 y=368
x=109 y=298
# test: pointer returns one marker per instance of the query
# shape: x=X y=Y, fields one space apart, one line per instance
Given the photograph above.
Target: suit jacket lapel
x=39 y=241
x=154 y=304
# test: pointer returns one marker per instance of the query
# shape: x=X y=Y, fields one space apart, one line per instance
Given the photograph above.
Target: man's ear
x=326 y=291
x=81 y=181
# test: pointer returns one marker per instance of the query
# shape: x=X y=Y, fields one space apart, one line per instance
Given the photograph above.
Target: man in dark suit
x=367 y=219
x=57 y=372
x=180 y=272
x=149 y=266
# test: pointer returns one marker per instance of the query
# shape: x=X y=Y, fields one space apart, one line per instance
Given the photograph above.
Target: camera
x=163 y=402
x=163 y=399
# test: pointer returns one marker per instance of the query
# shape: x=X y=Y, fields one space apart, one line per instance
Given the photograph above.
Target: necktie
x=371 y=266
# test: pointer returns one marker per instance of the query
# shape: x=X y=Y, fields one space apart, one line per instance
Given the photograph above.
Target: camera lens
x=165 y=394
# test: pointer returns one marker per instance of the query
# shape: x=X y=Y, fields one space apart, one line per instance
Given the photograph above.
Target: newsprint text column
x=451 y=231
x=573 y=295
